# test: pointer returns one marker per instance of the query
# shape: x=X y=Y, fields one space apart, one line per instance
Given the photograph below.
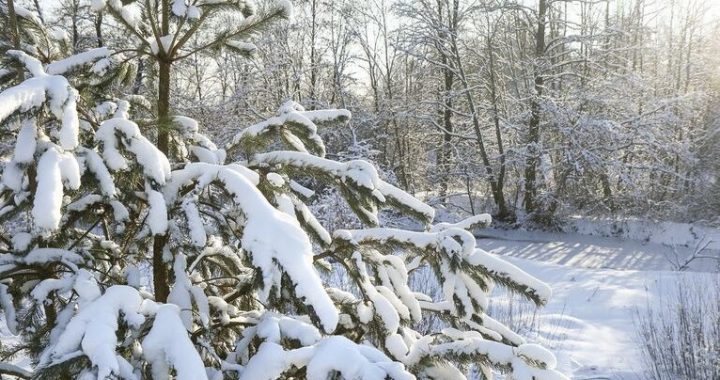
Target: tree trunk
x=446 y=105
x=15 y=35
x=137 y=84
x=533 y=139
x=12 y=20
x=400 y=168
x=98 y=29
x=497 y=194
x=39 y=10
x=446 y=149
x=163 y=141
x=160 y=269
x=161 y=279
x=313 y=55
x=503 y=212
x=74 y=26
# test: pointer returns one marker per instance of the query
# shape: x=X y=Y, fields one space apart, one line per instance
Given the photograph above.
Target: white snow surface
x=663 y=233
x=598 y=285
x=41 y=88
x=93 y=329
x=330 y=355
x=48 y=198
x=26 y=142
x=154 y=164
x=64 y=65
x=167 y=344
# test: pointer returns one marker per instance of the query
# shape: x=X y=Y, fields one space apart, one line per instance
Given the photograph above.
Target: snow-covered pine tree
x=86 y=197
x=167 y=31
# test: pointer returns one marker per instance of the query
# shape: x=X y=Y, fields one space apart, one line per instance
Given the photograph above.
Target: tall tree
x=150 y=23
x=533 y=134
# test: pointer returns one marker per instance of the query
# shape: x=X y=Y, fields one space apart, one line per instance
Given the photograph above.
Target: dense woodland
x=540 y=108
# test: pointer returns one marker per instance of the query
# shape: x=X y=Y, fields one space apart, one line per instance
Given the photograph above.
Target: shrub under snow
x=679 y=336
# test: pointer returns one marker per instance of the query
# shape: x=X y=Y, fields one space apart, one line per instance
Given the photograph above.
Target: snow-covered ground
x=598 y=284
x=594 y=252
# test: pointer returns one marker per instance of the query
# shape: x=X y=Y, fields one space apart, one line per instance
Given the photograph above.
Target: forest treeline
x=533 y=109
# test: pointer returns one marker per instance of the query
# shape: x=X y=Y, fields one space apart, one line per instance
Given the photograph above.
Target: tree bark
x=503 y=212
x=533 y=139
x=313 y=55
x=15 y=34
x=39 y=10
x=446 y=105
x=164 y=105
x=75 y=31
x=160 y=269
x=98 y=29
x=12 y=19
x=497 y=194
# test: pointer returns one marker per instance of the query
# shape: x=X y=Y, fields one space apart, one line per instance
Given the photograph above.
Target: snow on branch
x=295 y=126
x=94 y=330
x=195 y=143
x=511 y=276
x=36 y=91
x=63 y=66
x=129 y=14
x=466 y=269
x=364 y=187
x=54 y=168
x=48 y=255
x=525 y=362
x=322 y=357
x=184 y=294
x=167 y=346
x=292 y=254
x=14 y=370
x=153 y=162
x=452 y=242
x=476 y=221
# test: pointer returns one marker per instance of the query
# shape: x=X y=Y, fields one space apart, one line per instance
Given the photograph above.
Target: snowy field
x=599 y=284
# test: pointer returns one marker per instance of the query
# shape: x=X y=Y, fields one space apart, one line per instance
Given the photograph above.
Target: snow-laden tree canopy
x=85 y=196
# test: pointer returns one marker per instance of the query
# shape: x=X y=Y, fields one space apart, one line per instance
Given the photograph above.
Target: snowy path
x=598 y=289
